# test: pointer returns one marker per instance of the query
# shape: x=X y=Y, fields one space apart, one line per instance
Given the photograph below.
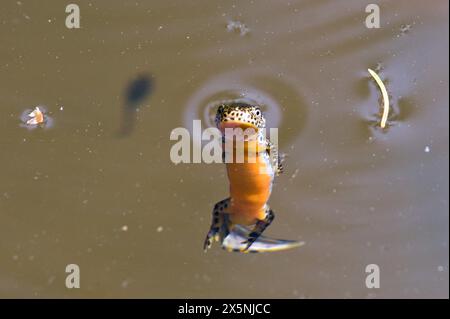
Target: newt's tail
x=237 y=236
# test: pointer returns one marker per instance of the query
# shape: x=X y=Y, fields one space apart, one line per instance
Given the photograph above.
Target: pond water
x=98 y=188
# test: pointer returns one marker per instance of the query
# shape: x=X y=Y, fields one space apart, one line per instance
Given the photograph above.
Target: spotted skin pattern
x=250 y=182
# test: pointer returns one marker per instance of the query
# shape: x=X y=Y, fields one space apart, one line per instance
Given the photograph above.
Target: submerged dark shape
x=135 y=94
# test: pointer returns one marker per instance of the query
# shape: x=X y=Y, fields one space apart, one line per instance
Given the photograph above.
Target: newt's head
x=240 y=115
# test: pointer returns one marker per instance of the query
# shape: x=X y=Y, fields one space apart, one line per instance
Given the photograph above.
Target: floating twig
x=385 y=97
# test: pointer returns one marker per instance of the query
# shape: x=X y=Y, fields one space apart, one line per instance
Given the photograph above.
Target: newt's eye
x=258 y=112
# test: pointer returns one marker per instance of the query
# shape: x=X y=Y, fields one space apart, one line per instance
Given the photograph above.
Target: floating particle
x=125 y=283
x=405 y=28
x=124 y=228
x=237 y=26
x=440 y=268
x=379 y=67
x=295 y=173
x=50 y=280
x=427 y=149
x=159 y=229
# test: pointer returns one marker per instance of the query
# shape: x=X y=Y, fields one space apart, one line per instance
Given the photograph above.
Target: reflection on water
x=254 y=87
x=134 y=222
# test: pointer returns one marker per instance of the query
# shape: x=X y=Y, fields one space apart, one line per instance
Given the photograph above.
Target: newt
x=250 y=180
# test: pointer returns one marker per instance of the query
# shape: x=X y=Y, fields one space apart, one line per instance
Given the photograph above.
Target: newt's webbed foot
x=219 y=224
x=259 y=228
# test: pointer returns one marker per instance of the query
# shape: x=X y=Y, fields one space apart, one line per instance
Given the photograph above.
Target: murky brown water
x=134 y=222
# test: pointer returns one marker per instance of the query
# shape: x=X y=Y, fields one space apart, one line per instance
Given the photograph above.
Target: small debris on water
x=125 y=283
x=379 y=67
x=159 y=229
x=404 y=28
x=37 y=117
x=427 y=149
x=233 y=25
x=124 y=228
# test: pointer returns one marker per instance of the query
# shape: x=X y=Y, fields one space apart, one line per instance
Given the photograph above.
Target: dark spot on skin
x=242 y=112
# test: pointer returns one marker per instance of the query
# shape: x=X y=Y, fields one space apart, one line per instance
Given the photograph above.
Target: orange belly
x=250 y=188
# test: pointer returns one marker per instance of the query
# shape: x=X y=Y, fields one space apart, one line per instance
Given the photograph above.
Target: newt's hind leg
x=259 y=228
x=218 y=220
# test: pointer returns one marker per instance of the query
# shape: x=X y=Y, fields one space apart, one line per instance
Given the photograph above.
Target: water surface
x=134 y=222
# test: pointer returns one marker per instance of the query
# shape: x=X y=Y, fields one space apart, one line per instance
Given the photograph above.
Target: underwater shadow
x=137 y=91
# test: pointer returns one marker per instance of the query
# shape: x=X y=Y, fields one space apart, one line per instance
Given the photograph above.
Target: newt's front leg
x=217 y=223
